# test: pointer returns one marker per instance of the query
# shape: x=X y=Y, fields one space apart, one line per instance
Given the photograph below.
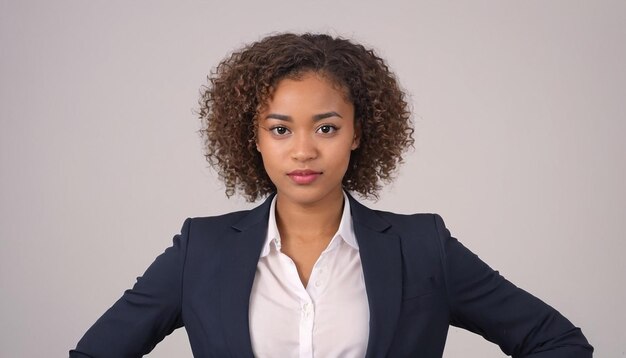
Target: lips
x=304 y=176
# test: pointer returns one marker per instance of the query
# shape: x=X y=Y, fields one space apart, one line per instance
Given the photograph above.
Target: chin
x=307 y=195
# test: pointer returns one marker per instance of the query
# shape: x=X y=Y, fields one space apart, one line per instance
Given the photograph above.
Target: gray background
x=519 y=110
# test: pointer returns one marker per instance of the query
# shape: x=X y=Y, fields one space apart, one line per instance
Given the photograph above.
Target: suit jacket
x=418 y=279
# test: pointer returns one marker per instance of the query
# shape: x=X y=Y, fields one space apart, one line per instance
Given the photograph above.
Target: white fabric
x=330 y=318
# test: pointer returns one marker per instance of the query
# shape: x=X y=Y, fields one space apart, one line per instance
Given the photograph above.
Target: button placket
x=306 y=329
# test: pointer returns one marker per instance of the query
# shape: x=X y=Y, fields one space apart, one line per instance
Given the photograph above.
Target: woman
x=303 y=120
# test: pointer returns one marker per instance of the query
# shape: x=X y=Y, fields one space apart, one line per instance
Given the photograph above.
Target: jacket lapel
x=240 y=254
x=382 y=269
x=380 y=256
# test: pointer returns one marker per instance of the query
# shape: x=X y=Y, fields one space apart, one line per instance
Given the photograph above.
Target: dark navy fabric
x=419 y=280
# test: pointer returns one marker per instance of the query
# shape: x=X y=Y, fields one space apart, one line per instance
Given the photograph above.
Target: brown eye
x=279 y=130
x=327 y=129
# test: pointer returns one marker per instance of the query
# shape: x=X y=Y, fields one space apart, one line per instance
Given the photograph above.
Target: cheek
x=271 y=163
x=343 y=151
x=267 y=150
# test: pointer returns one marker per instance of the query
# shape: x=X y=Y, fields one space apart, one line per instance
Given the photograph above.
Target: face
x=305 y=136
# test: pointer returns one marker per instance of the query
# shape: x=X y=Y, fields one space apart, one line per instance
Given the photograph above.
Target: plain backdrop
x=519 y=109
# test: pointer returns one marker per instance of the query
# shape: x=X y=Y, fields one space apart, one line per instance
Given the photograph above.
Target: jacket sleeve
x=145 y=314
x=485 y=303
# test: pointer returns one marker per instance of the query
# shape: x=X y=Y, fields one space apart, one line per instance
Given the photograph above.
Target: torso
x=304 y=254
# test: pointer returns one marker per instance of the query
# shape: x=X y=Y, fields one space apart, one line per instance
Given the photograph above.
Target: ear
x=255 y=139
x=355 y=142
x=356 y=139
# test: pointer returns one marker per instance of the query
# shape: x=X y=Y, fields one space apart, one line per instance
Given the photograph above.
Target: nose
x=304 y=147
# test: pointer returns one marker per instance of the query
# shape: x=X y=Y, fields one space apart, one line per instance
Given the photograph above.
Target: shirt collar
x=345 y=231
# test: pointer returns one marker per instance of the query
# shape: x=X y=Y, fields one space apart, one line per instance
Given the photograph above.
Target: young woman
x=304 y=120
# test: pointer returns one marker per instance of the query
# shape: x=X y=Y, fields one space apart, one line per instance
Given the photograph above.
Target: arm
x=145 y=314
x=485 y=303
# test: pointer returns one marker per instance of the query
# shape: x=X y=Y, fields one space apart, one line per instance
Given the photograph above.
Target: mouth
x=304 y=176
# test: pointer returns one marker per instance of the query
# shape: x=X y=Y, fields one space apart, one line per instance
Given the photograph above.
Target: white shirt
x=328 y=318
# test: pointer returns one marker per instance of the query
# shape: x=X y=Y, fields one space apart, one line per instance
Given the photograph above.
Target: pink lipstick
x=304 y=176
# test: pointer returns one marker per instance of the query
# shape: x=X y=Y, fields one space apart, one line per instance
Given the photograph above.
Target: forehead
x=308 y=91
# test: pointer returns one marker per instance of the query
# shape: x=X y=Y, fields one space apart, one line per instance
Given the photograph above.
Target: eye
x=279 y=130
x=327 y=129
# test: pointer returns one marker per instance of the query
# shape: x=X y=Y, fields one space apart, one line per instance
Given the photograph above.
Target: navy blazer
x=418 y=279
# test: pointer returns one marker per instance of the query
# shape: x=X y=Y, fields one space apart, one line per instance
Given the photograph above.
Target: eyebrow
x=317 y=117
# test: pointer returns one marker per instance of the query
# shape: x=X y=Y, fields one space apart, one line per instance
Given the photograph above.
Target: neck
x=310 y=222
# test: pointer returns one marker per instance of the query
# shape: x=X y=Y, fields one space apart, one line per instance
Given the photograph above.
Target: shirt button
x=318 y=283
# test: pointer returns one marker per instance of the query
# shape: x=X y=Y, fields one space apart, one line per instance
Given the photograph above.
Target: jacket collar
x=380 y=256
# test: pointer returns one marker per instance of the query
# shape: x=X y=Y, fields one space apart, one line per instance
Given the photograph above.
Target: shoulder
x=416 y=224
x=237 y=220
x=423 y=223
x=419 y=224
x=422 y=229
x=213 y=222
x=424 y=220
x=421 y=235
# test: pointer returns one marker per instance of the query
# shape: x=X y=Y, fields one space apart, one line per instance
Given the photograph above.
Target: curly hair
x=241 y=85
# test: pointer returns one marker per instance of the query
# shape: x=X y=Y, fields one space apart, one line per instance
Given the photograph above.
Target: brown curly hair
x=240 y=86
